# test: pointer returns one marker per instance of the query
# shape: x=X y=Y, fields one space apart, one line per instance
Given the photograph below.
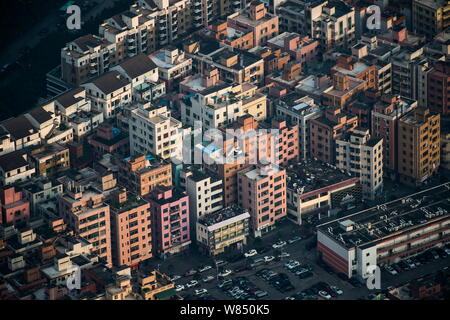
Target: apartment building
x=21 y=133
x=14 y=207
x=409 y=74
x=131 y=234
x=385 y=234
x=15 y=167
x=40 y=190
x=224 y=231
x=445 y=149
x=214 y=102
x=326 y=129
x=173 y=19
x=286 y=136
x=438 y=88
x=348 y=65
x=419 y=146
x=108 y=139
x=85 y=212
x=50 y=159
x=345 y=88
x=384 y=124
x=299 y=15
x=170 y=219
x=301 y=48
x=222 y=32
x=84 y=58
x=173 y=65
x=361 y=155
x=234 y=66
x=317 y=190
x=299 y=109
x=262 y=191
x=154 y=130
x=257 y=20
x=205 y=191
x=430 y=17
x=6 y=142
x=156 y=286
x=335 y=28
x=76 y=111
x=242 y=146
x=109 y=93
x=141 y=174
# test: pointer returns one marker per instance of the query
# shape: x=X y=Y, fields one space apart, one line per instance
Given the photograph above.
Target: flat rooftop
x=310 y=175
x=225 y=215
x=393 y=218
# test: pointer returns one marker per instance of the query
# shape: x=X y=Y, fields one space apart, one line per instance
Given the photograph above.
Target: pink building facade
x=14 y=208
x=262 y=191
x=170 y=216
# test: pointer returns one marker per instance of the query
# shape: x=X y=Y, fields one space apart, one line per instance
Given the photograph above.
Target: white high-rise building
x=152 y=129
x=362 y=155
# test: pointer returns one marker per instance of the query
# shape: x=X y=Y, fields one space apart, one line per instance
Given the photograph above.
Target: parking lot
x=299 y=251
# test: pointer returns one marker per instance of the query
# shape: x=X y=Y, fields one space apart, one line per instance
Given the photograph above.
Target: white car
x=284 y=255
x=279 y=244
x=292 y=264
x=174 y=278
x=204 y=268
x=251 y=253
x=199 y=292
x=225 y=273
x=447 y=251
x=208 y=279
x=324 y=294
x=269 y=258
x=179 y=288
x=192 y=284
x=337 y=290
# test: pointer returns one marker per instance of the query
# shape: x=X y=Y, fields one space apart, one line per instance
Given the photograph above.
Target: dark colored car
x=305 y=275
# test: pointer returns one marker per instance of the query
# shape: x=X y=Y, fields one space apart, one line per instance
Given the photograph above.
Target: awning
x=165 y=294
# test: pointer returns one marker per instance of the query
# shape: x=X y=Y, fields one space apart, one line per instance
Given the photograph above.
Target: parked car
x=337 y=290
x=242 y=268
x=175 y=278
x=224 y=283
x=269 y=258
x=199 y=292
x=179 y=288
x=390 y=270
x=447 y=251
x=284 y=255
x=294 y=239
x=220 y=263
x=292 y=264
x=260 y=294
x=204 y=268
x=251 y=253
x=435 y=254
x=225 y=273
x=306 y=275
x=190 y=273
x=257 y=262
x=208 y=279
x=192 y=283
x=324 y=294
x=279 y=244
